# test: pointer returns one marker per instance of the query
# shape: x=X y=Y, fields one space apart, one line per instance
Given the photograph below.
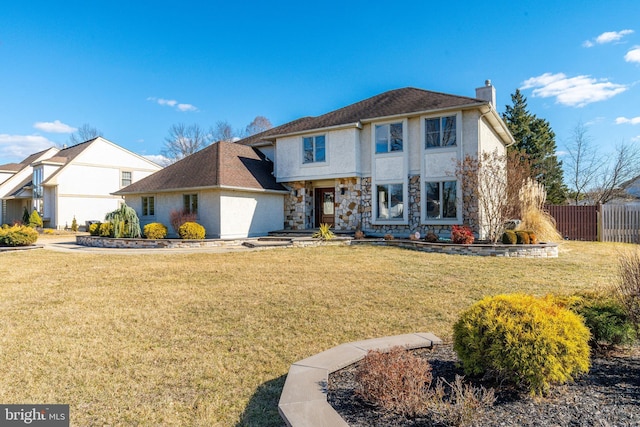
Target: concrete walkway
x=303 y=402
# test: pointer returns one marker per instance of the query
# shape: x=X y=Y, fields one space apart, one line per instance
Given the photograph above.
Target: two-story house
x=383 y=165
x=74 y=182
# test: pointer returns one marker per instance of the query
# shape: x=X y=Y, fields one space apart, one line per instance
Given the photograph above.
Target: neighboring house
x=229 y=187
x=74 y=182
x=386 y=164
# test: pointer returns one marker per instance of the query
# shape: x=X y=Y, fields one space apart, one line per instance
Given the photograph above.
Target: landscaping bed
x=609 y=395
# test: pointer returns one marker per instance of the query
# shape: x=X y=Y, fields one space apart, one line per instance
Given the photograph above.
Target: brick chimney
x=487 y=93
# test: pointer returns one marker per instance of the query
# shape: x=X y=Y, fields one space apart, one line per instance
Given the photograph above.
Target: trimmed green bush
x=509 y=237
x=191 y=231
x=522 y=237
x=18 y=235
x=528 y=341
x=155 y=230
x=106 y=230
x=35 y=220
x=606 y=318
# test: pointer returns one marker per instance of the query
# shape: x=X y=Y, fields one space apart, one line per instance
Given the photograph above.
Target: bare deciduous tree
x=583 y=163
x=625 y=165
x=184 y=140
x=222 y=131
x=258 y=125
x=84 y=133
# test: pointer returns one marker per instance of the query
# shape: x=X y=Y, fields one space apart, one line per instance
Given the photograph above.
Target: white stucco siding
x=440 y=164
x=342 y=158
x=414 y=142
x=489 y=141
x=389 y=168
x=106 y=154
x=247 y=214
x=88 y=180
x=83 y=209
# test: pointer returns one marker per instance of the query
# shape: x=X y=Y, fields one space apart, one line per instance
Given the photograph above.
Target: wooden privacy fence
x=576 y=222
x=606 y=223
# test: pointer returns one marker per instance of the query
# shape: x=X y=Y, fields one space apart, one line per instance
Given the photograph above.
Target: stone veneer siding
x=354 y=209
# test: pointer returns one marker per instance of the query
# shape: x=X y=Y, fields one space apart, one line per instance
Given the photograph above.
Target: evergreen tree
x=535 y=137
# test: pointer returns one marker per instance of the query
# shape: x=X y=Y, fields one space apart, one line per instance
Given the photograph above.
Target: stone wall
x=298 y=206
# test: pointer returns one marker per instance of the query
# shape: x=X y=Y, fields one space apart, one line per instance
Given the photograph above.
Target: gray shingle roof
x=223 y=164
x=392 y=103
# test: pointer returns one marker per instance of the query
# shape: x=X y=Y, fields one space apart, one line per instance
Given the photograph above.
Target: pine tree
x=535 y=137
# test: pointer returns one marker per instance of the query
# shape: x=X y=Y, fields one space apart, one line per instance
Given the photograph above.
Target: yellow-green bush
x=155 y=230
x=191 y=231
x=18 y=235
x=106 y=229
x=509 y=237
x=94 y=229
x=528 y=341
x=522 y=237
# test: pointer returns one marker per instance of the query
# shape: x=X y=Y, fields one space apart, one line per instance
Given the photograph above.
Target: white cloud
x=607 y=37
x=54 y=127
x=18 y=147
x=636 y=139
x=173 y=103
x=624 y=120
x=633 y=55
x=572 y=91
x=158 y=159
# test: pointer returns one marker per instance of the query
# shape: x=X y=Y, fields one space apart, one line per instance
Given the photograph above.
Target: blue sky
x=133 y=69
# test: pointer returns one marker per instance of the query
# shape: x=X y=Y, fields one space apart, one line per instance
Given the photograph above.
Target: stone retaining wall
x=107 y=242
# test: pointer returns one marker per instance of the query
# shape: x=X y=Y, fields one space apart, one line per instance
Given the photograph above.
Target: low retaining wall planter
x=541 y=250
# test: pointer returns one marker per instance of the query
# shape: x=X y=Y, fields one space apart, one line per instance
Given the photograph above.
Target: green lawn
x=207 y=339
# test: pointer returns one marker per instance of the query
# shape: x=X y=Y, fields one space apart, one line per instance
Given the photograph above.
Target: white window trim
x=423 y=131
x=122 y=171
x=424 y=220
x=324 y=162
x=143 y=206
x=374 y=204
x=405 y=139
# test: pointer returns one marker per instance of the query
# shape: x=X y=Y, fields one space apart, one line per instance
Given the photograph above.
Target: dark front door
x=325 y=206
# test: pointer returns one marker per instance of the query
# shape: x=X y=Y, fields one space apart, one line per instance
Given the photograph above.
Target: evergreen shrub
x=528 y=341
x=191 y=231
x=106 y=229
x=155 y=230
x=35 y=220
x=509 y=237
x=18 y=235
x=94 y=229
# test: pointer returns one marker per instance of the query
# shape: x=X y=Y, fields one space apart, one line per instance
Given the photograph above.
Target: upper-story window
x=440 y=132
x=388 y=137
x=314 y=149
x=38 y=193
x=125 y=178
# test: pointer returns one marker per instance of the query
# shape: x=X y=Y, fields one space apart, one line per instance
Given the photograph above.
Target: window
x=388 y=137
x=148 y=206
x=440 y=132
x=314 y=149
x=38 y=191
x=441 y=200
x=125 y=178
x=390 y=206
x=190 y=203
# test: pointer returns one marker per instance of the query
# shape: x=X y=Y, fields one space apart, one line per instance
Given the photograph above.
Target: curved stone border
x=303 y=401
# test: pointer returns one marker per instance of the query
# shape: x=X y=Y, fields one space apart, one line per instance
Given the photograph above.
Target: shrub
x=530 y=342
x=463 y=404
x=397 y=381
x=74 y=225
x=106 y=229
x=18 y=235
x=628 y=286
x=522 y=237
x=177 y=218
x=509 y=237
x=94 y=229
x=358 y=235
x=191 y=231
x=25 y=216
x=389 y=236
x=35 y=220
x=155 y=230
x=605 y=317
x=533 y=239
x=431 y=237
x=462 y=235
x=324 y=232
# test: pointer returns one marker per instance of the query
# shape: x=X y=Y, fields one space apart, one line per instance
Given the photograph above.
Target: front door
x=325 y=206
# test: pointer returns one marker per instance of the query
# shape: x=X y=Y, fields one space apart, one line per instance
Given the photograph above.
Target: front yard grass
x=207 y=339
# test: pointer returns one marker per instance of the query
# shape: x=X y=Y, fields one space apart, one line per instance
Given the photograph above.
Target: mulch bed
x=608 y=396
